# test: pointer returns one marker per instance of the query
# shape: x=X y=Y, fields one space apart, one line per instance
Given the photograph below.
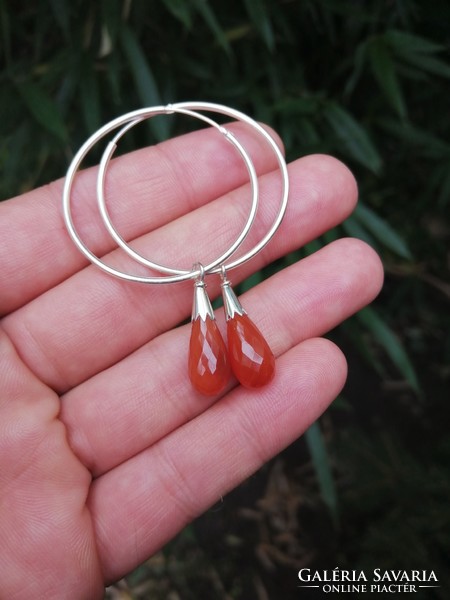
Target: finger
x=145 y=189
x=140 y=505
x=91 y=321
x=148 y=395
x=42 y=487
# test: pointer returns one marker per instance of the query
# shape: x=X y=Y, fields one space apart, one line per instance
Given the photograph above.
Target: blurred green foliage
x=360 y=81
x=355 y=80
x=368 y=82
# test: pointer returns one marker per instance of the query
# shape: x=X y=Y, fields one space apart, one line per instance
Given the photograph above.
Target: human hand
x=106 y=452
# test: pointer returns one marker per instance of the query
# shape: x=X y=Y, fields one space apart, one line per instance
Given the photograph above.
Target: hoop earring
x=209 y=368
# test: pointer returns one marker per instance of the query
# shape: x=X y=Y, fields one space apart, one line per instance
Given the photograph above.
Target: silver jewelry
x=209 y=377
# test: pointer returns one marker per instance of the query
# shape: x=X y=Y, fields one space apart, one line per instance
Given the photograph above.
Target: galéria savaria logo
x=378 y=581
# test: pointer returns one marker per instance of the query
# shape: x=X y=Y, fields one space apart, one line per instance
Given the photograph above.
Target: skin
x=106 y=452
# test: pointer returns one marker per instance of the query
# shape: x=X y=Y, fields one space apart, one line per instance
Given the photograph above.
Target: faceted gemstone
x=252 y=361
x=209 y=369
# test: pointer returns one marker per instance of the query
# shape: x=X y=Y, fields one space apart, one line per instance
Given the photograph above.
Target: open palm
x=106 y=452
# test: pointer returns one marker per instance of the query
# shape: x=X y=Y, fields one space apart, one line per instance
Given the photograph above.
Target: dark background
x=368 y=82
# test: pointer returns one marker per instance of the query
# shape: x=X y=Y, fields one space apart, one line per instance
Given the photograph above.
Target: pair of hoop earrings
x=210 y=362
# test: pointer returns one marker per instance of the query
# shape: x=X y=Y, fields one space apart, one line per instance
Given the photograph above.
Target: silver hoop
x=131 y=119
x=240 y=116
x=105 y=160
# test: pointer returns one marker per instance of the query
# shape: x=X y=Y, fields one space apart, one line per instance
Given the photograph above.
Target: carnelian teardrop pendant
x=209 y=369
x=251 y=358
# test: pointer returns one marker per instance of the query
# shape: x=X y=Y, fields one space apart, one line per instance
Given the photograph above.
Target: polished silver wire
x=132 y=118
x=240 y=116
x=104 y=163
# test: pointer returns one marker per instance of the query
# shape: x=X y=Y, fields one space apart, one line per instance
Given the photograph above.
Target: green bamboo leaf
x=406 y=44
x=430 y=64
x=113 y=72
x=291 y=259
x=319 y=456
x=202 y=6
x=438 y=184
x=341 y=403
x=391 y=344
x=356 y=230
x=358 y=61
x=44 y=110
x=354 y=331
x=312 y=247
x=90 y=96
x=259 y=14
x=353 y=137
x=251 y=281
x=308 y=133
x=195 y=68
x=111 y=11
x=306 y=105
x=407 y=71
x=181 y=10
x=384 y=70
x=144 y=79
x=14 y=147
x=430 y=146
x=382 y=231
x=331 y=235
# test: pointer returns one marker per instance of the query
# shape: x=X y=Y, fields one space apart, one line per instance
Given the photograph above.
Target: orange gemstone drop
x=252 y=360
x=209 y=369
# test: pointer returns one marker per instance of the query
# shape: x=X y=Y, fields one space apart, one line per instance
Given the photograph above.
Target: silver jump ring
x=104 y=163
